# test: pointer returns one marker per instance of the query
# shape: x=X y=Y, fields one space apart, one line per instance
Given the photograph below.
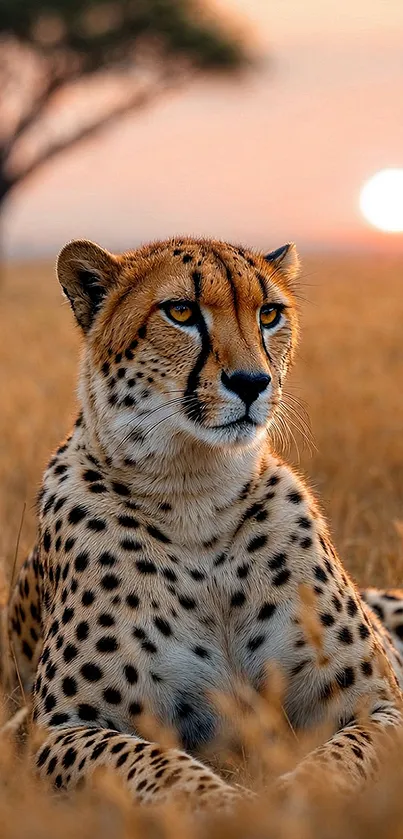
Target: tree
x=68 y=68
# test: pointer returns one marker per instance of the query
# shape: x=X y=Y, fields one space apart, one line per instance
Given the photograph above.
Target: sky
x=280 y=155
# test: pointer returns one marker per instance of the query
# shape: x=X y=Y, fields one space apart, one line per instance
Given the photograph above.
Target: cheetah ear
x=86 y=272
x=285 y=260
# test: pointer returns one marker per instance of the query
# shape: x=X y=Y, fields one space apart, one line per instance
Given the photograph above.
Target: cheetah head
x=185 y=337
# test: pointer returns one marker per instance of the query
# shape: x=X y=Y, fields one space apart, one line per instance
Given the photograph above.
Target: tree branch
x=138 y=100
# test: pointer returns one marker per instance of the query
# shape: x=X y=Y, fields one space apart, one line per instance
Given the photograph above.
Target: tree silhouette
x=68 y=68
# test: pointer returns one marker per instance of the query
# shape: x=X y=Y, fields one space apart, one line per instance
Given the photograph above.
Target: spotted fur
x=175 y=548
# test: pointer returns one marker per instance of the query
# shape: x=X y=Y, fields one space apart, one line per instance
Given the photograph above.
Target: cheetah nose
x=248 y=386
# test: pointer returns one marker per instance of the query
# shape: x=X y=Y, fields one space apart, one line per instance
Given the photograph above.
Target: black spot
x=69 y=757
x=128 y=521
x=201 y=651
x=337 y=603
x=58 y=719
x=294 y=497
x=345 y=636
x=142 y=332
x=88 y=598
x=130 y=545
x=363 y=631
x=131 y=674
x=76 y=514
x=105 y=368
x=82 y=631
x=197 y=575
x=256 y=543
x=50 y=703
x=91 y=475
x=91 y=672
x=106 y=558
x=266 y=611
x=107 y=644
x=145 y=566
x=366 y=668
x=135 y=708
x=306 y=543
x=112 y=696
x=81 y=561
x=132 y=600
x=96 y=525
x=27 y=650
x=120 y=489
x=183 y=709
x=282 y=577
x=70 y=542
x=110 y=582
x=106 y=620
x=116 y=748
x=157 y=534
x=243 y=570
x=252 y=511
x=187 y=602
x=345 y=678
x=97 y=488
x=278 y=561
x=304 y=522
x=320 y=573
x=67 y=615
x=238 y=598
x=43 y=756
x=69 y=686
x=163 y=626
x=69 y=652
x=87 y=712
x=256 y=642
x=138 y=632
x=98 y=750
x=219 y=560
x=327 y=619
x=46 y=541
x=61 y=469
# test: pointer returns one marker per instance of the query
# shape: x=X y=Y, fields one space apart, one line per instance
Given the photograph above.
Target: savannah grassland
x=348 y=377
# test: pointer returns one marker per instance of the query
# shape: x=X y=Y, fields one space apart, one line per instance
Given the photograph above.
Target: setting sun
x=381 y=200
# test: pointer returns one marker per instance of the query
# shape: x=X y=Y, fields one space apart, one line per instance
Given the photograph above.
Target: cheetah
x=174 y=544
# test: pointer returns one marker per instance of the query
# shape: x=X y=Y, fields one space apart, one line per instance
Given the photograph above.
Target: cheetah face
x=186 y=337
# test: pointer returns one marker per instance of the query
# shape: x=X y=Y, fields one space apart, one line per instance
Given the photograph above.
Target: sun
x=381 y=200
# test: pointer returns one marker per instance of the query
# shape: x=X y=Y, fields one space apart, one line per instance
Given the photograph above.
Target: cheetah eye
x=270 y=315
x=181 y=311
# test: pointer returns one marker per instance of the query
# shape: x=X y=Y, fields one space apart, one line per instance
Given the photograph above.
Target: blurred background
x=262 y=153
x=254 y=121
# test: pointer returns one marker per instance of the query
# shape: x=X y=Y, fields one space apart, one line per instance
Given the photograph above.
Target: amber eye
x=181 y=311
x=270 y=316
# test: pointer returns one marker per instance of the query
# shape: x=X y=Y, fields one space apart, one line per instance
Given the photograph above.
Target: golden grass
x=348 y=374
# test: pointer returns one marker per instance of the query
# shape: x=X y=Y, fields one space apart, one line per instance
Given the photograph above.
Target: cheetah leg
x=351 y=755
x=151 y=773
x=388 y=607
x=25 y=620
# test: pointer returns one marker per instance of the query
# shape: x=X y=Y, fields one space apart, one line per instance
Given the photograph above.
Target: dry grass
x=349 y=376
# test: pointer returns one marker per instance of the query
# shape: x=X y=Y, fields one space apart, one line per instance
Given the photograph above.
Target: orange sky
x=281 y=155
